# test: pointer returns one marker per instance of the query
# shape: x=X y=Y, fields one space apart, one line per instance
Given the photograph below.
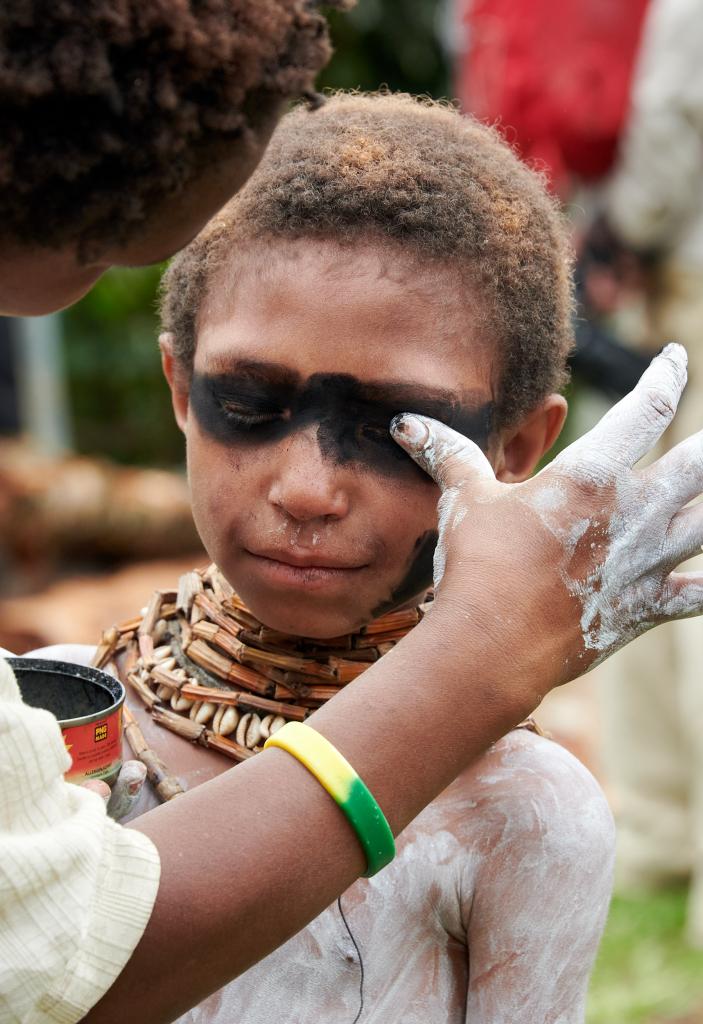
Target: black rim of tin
x=85 y=672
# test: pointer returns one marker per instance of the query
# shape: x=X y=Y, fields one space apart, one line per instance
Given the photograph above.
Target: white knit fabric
x=76 y=889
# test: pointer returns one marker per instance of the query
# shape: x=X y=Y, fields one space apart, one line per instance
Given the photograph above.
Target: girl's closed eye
x=248 y=416
x=378 y=433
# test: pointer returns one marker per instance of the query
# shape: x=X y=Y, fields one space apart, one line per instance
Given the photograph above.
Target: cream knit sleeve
x=76 y=889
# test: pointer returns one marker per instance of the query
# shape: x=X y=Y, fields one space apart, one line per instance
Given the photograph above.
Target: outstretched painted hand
x=614 y=533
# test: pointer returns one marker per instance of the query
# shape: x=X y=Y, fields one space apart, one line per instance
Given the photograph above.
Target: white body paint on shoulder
x=491 y=913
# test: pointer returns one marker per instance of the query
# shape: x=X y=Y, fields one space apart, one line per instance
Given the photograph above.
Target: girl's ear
x=177 y=379
x=521 y=448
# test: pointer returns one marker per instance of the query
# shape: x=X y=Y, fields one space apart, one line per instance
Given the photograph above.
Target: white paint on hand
x=620 y=529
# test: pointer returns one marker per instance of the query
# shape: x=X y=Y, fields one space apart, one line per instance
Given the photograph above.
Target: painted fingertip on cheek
x=414 y=434
x=410 y=430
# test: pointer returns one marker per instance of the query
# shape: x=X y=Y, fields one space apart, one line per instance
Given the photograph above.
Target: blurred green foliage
x=645 y=972
x=389 y=42
x=119 y=401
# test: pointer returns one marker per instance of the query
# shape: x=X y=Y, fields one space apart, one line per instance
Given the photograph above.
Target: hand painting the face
x=616 y=532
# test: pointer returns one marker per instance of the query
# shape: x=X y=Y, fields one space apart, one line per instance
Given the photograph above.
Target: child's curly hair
x=419 y=175
x=109 y=105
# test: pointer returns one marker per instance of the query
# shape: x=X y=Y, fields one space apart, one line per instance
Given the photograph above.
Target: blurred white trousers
x=652 y=691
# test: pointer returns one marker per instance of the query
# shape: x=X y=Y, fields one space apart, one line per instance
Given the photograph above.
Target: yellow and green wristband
x=334 y=772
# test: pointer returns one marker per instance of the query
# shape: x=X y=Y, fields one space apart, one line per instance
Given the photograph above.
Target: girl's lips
x=306 y=577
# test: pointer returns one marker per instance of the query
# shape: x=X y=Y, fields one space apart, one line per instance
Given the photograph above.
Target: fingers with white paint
x=683 y=595
x=632 y=427
x=615 y=533
x=127 y=789
x=448 y=457
x=677 y=477
x=685 y=538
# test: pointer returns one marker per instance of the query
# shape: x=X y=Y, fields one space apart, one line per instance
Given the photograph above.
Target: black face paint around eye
x=229 y=407
x=264 y=403
x=418 y=576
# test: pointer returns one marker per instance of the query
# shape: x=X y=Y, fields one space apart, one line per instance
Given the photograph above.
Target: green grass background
x=645 y=972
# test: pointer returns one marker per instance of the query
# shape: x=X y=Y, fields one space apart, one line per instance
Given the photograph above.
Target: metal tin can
x=88 y=706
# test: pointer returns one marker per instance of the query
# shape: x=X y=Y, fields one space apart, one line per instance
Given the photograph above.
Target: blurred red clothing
x=556 y=74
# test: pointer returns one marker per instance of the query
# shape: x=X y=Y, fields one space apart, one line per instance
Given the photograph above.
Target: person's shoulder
x=527 y=784
x=529 y=756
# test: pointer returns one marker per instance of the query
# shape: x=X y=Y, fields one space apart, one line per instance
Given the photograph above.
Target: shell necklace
x=210 y=671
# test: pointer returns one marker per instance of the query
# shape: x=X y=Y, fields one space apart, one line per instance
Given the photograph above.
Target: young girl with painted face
x=388 y=256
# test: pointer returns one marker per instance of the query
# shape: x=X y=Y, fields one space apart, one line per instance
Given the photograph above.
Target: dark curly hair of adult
x=109 y=105
x=419 y=175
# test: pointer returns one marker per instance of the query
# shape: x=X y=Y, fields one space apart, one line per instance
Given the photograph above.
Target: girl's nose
x=306 y=484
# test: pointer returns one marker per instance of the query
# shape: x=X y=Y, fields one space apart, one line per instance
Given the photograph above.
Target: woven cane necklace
x=209 y=671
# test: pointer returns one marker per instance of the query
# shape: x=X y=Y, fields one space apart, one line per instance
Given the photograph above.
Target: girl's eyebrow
x=396 y=392
x=276 y=374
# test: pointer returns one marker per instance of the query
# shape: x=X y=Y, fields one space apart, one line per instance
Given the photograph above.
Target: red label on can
x=95 y=748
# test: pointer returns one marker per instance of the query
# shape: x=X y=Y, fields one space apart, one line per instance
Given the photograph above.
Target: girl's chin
x=294 y=618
